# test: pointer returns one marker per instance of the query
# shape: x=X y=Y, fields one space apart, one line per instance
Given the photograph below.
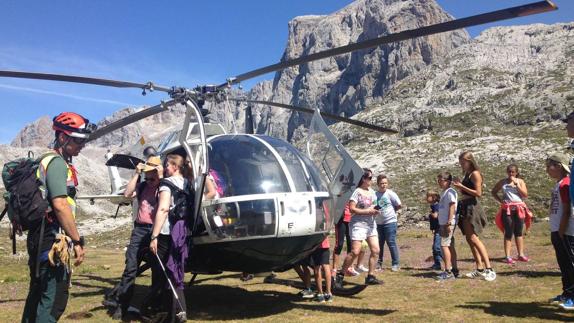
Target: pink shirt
x=147 y=205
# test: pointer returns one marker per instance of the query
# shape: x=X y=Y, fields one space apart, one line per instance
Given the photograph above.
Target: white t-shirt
x=447 y=197
x=388 y=202
x=364 y=200
x=559 y=194
x=179 y=182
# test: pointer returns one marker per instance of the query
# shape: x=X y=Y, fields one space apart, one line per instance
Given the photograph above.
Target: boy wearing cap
x=146 y=193
x=562 y=227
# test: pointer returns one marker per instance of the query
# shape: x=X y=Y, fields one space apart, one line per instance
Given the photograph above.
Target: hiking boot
x=306 y=293
x=319 y=298
x=558 y=299
x=523 y=259
x=445 y=275
x=508 y=260
x=568 y=304
x=489 y=275
x=362 y=269
x=328 y=297
x=351 y=272
x=372 y=280
x=395 y=268
x=474 y=274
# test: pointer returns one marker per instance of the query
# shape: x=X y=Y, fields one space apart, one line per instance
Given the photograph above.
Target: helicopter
x=279 y=203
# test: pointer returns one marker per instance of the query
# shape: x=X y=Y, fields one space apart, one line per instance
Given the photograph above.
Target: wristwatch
x=80 y=242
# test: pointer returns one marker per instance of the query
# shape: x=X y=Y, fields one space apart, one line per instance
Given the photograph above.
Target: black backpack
x=183 y=201
x=25 y=202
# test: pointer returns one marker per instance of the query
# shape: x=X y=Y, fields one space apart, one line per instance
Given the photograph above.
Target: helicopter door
x=334 y=162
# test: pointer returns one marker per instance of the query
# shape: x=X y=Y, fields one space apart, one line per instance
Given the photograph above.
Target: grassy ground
x=519 y=293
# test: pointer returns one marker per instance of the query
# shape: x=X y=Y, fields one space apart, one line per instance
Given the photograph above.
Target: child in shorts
x=320 y=263
x=447 y=219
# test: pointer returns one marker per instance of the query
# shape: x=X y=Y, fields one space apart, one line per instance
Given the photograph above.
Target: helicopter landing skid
x=346 y=291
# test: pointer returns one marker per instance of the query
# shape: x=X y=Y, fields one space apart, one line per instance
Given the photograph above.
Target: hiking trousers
x=47 y=295
x=139 y=242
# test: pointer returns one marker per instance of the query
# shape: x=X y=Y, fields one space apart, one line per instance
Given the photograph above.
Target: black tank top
x=466 y=181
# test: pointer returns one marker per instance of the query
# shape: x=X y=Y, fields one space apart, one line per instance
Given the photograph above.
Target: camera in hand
x=377 y=207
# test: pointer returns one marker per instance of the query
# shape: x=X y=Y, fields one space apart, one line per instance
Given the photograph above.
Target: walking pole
x=171 y=286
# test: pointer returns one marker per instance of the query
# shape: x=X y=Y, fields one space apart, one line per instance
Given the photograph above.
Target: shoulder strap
x=172 y=186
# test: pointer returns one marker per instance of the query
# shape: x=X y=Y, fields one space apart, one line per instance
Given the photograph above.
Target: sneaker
x=111 y=303
x=568 y=304
x=558 y=299
x=351 y=272
x=395 y=268
x=474 y=274
x=372 y=280
x=181 y=317
x=362 y=269
x=328 y=297
x=319 y=298
x=508 y=260
x=523 y=259
x=445 y=275
x=489 y=275
x=306 y=293
x=379 y=267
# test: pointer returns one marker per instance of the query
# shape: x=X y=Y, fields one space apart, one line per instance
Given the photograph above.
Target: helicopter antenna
x=514 y=12
x=323 y=114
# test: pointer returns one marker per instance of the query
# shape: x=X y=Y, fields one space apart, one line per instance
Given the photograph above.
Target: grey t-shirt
x=388 y=201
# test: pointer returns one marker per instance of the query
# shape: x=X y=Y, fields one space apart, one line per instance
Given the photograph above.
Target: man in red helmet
x=48 y=291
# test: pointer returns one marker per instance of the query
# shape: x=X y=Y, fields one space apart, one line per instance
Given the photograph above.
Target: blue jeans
x=436 y=250
x=388 y=233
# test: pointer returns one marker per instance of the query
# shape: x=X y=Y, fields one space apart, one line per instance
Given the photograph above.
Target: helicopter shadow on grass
x=529 y=273
x=533 y=310
x=217 y=302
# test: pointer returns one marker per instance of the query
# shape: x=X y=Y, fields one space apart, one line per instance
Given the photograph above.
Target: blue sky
x=179 y=42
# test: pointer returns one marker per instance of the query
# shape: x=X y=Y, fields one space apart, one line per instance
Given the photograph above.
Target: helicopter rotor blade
x=149 y=86
x=503 y=14
x=323 y=114
x=131 y=119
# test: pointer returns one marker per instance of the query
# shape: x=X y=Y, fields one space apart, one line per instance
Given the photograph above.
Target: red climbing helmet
x=73 y=125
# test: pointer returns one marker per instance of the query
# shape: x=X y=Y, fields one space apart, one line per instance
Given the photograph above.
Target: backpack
x=25 y=198
x=183 y=201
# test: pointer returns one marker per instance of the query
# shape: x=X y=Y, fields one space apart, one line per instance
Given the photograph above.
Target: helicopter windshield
x=243 y=165
x=303 y=172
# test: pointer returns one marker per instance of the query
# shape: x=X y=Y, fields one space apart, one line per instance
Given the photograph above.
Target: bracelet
x=153 y=237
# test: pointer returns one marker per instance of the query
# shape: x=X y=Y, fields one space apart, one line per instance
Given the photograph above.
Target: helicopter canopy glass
x=304 y=174
x=242 y=165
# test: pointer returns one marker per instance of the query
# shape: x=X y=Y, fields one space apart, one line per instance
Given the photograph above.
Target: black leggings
x=513 y=224
x=342 y=232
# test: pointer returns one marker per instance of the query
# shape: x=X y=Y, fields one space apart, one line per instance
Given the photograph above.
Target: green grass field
x=520 y=292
